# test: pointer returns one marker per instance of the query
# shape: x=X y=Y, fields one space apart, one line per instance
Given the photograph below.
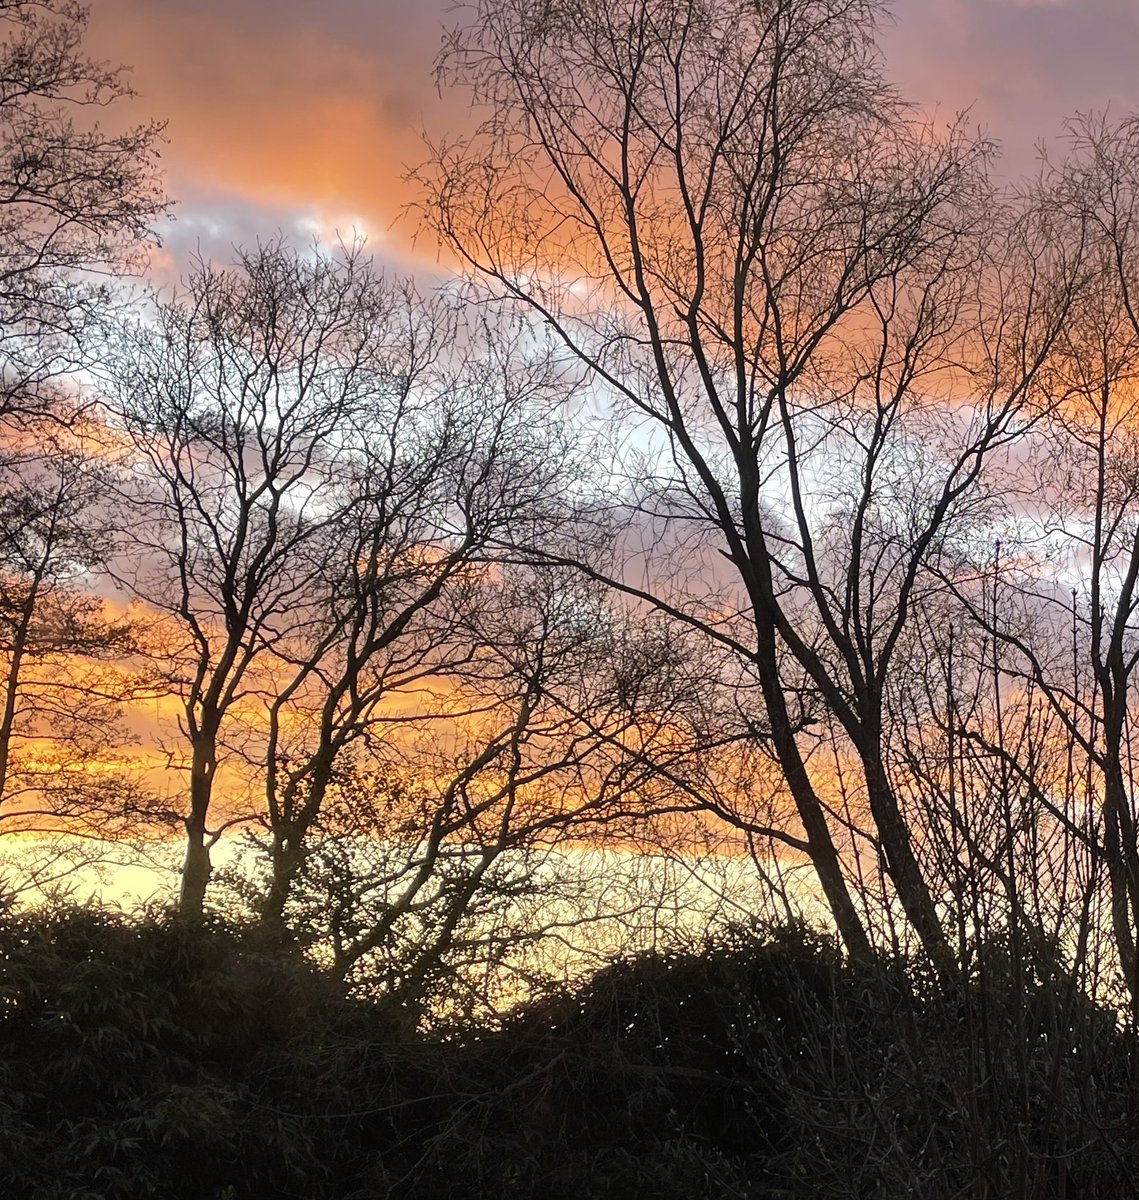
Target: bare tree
x=78 y=205
x=66 y=659
x=242 y=398
x=77 y=201
x=762 y=256
x=430 y=867
x=1070 y=562
x=323 y=461
x=462 y=454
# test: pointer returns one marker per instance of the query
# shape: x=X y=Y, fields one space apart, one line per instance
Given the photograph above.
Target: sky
x=303 y=117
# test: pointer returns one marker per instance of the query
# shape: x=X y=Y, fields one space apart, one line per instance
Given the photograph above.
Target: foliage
x=152 y=1058
x=156 y=1057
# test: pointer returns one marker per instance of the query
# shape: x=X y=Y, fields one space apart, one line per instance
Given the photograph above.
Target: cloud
x=273 y=111
x=283 y=111
x=1021 y=66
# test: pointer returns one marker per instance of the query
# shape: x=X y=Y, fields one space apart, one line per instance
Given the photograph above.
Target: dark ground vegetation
x=159 y=1058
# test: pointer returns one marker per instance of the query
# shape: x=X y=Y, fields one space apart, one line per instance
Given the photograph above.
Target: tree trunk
x=12 y=688
x=286 y=859
x=196 y=868
x=824 y=856
x=905 y=874
x=1123 y=873
x=292 y=820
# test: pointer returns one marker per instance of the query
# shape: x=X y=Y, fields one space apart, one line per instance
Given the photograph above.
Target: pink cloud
x=313 y=112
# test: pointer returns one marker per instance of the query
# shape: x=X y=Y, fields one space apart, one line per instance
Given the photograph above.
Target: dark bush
x=159 y=1058
x=167 y=1059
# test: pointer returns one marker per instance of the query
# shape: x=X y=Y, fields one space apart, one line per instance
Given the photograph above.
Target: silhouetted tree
x=66 y=660
x=323 y=462
x=78 y=202
x=727 y=215
x=78 y=206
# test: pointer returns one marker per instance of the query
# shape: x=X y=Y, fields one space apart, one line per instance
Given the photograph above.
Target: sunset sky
x=292 y=115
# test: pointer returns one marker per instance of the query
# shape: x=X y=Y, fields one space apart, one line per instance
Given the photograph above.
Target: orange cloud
x=285 y=114
x=290 y=110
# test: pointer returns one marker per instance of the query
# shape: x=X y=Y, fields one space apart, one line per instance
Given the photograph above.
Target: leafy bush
x=161 y=1058
x=210 y=1062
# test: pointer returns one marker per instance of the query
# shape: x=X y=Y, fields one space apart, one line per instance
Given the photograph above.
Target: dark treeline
x=179 y=1060
x=747 y=537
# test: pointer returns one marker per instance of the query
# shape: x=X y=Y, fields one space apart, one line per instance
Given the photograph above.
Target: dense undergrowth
x=161 y=1059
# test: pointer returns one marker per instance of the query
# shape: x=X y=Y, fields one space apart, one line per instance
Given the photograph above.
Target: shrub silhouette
x=161 y=1058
